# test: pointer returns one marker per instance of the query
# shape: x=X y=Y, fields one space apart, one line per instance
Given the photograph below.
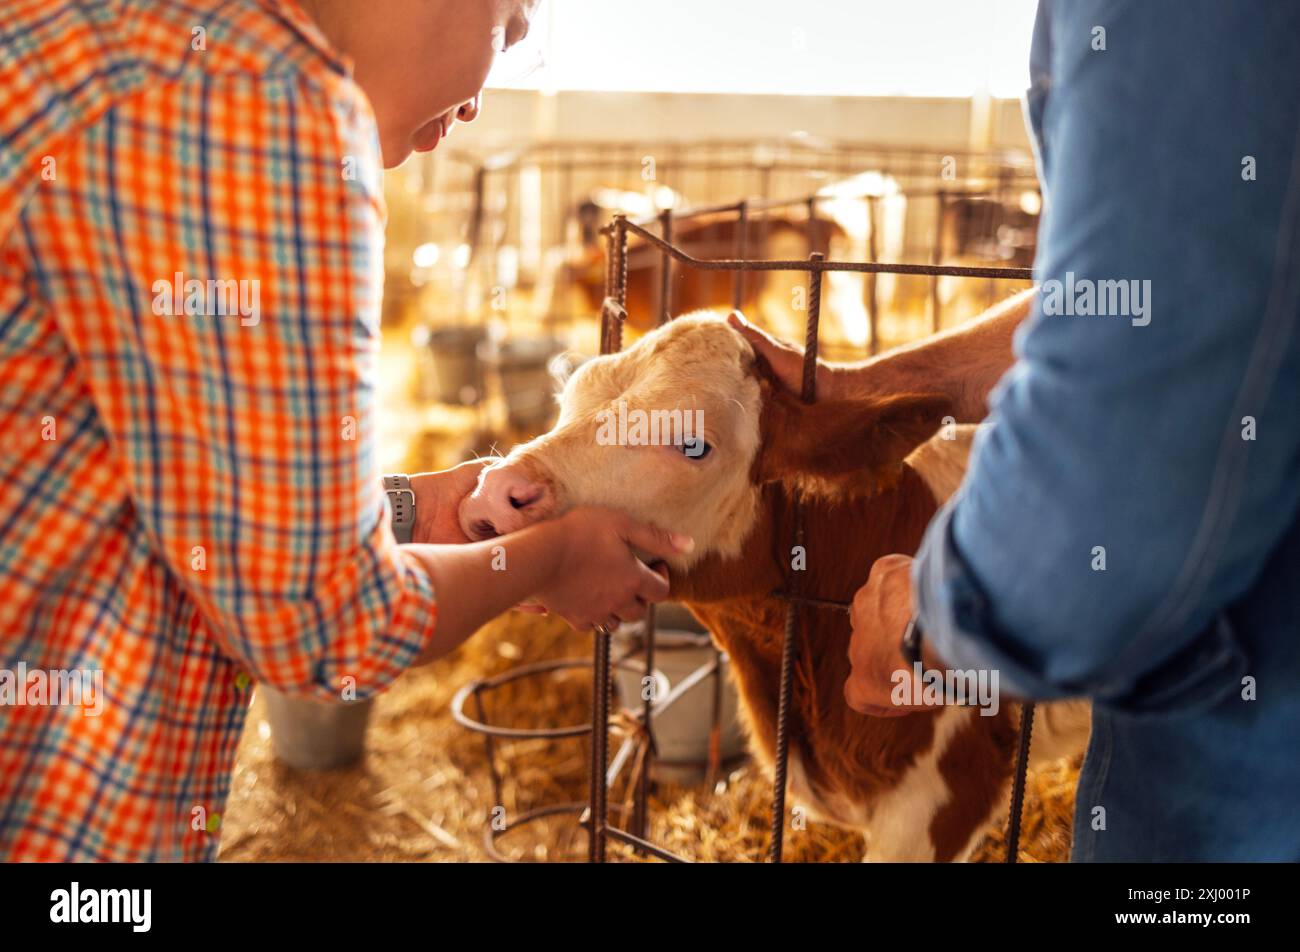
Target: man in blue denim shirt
x=1129 y=531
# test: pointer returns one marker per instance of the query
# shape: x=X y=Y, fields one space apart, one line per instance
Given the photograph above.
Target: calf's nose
x=506 y=499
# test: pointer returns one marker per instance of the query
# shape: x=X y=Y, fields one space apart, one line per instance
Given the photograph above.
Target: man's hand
x=881 y=610
x=785 y=359
x=437 y=500
x=964 y=362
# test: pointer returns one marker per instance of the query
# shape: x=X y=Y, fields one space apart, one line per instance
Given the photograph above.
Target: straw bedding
x=423 y=791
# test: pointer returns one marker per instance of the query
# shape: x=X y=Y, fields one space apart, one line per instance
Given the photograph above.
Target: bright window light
x=809 y=47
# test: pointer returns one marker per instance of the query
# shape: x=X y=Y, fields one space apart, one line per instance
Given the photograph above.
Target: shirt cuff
x=416 y=619
x=402 y=610
x=957 y=619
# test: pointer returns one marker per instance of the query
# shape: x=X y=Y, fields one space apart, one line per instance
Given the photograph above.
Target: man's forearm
x=964 y=362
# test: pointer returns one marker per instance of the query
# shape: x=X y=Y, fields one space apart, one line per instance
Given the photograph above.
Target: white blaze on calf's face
x=696 y=363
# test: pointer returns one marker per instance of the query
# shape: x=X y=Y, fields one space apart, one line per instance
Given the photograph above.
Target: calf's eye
x=695 y=448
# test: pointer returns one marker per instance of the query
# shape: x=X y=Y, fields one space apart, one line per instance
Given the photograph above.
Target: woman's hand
x=600 y=577
x=583 y=566
x=437 y=501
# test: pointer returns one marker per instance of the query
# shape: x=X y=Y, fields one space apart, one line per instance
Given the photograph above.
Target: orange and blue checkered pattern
x=189 y=501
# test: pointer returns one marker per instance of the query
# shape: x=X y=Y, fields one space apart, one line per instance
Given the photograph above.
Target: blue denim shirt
x=1129 y=529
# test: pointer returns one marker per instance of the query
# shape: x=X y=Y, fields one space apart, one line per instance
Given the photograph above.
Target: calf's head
x=682 y=430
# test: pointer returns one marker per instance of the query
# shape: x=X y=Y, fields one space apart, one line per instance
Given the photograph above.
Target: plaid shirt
x=190 y=252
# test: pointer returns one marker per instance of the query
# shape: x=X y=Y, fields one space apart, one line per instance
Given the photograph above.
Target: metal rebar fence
x=595 y=813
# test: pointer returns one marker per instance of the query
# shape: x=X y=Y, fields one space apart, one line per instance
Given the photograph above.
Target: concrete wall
x=511 y=116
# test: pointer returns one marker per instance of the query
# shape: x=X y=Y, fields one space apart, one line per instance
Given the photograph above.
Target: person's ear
x=854 y=445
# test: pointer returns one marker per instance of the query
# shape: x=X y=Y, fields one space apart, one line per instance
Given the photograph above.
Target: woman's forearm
x=964 y=362
x=478 y=581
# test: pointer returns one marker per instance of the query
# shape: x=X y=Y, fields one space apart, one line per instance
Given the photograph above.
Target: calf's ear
x=844 y=445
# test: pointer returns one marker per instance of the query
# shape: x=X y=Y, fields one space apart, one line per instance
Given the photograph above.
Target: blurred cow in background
x=847 y=214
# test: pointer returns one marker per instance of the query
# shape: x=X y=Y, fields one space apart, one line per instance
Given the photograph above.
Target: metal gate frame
x=595 y=812
x=612 y=317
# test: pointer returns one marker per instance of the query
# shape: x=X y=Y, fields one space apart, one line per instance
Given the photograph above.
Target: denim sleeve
x=1142 y=464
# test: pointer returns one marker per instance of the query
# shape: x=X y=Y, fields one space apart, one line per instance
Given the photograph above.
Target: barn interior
x=872 y=132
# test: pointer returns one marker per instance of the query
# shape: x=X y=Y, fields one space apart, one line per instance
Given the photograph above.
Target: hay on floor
x=423 y=791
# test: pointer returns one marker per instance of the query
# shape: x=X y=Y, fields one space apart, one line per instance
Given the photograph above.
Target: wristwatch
x=912 y=635
x=402 y=499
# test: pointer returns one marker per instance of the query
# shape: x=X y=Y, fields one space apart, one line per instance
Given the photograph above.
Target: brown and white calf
x=920 y=787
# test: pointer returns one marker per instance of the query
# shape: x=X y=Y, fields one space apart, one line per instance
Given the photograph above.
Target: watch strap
x=401 y=499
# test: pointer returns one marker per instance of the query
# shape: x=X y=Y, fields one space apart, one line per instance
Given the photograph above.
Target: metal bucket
x=522 y=364
x=682 y=730
x=457 y=372
x=312 y=735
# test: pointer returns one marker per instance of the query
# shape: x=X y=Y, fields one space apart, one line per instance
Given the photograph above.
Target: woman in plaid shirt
x=189 y=499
